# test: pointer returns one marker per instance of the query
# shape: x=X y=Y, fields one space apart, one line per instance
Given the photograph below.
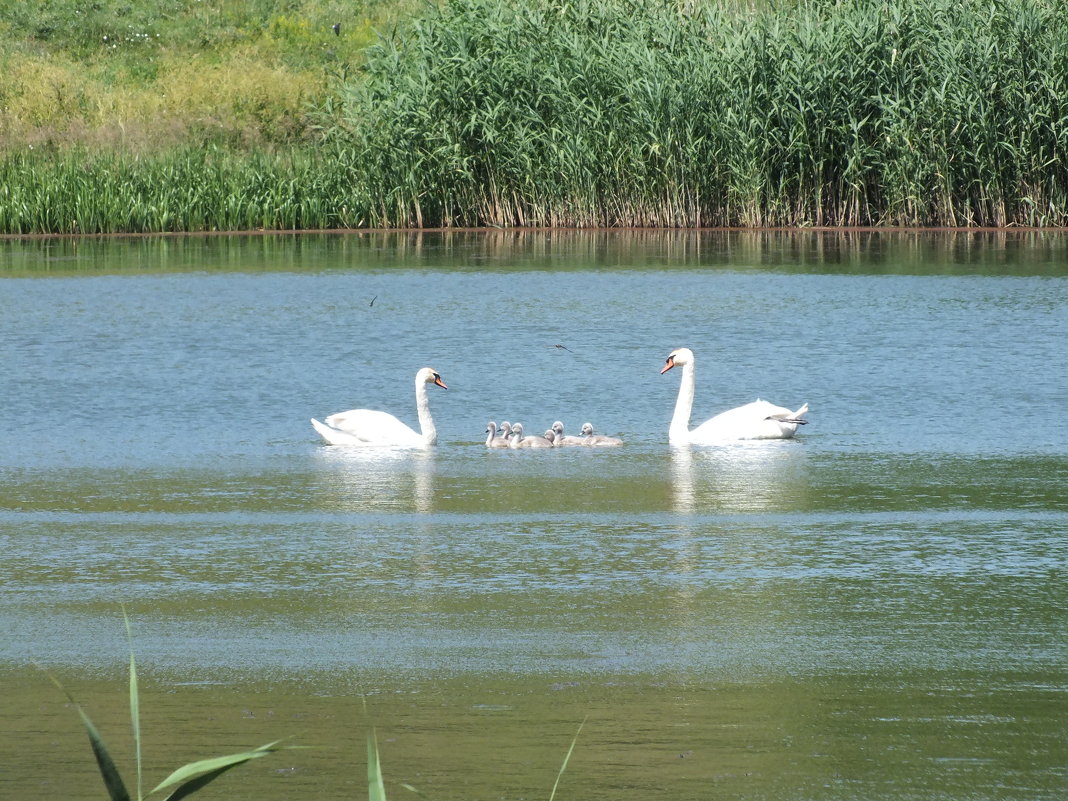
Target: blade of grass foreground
x=567 y=758
x=185 y=780
x=196 y=775
x=135 y=704
x=376 y=790
x=109 y=772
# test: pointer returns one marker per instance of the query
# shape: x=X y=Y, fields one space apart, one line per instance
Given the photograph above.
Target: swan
x=519 y=441
x=492 y=440
x=561 y=440
x=597 y=440
x=506 y=431
x=370 y=428
x=756 y=420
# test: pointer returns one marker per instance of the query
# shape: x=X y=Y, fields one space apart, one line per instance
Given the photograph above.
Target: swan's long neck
x=679 y=430
x=422 y=406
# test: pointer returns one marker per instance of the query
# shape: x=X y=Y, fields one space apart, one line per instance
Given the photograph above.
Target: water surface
x=874 y=610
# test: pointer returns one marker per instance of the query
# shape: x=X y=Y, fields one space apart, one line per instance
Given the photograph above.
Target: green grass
x=132 y=74
x=191 y=189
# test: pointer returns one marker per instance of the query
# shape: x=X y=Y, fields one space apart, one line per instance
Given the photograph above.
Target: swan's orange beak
x=439 y=382
x=669 y=365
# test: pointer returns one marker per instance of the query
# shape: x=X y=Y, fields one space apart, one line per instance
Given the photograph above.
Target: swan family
x=756 y=420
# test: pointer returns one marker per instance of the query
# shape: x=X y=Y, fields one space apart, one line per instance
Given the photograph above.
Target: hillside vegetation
x=543 y=112
x=137 y=75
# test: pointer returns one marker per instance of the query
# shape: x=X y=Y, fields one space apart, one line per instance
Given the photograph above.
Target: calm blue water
x=171 y=368
x=157 y=451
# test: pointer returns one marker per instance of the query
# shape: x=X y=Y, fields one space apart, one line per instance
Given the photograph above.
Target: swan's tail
x=325 y=431
x=798 y=416
x=333 y=436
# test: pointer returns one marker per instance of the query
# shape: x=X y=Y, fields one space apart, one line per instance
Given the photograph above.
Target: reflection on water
x=376 y=479
x=863 y=251
x=756 y=476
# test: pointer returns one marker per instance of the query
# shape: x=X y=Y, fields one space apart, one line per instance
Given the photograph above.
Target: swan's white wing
x=371 y=427
x=333 y=436
x=739 y=417
x=756 y=420
x=770 y=410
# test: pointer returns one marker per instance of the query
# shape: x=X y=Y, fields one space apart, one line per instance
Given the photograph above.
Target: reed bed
x=74 y=192
x=658 y=113
x=589 y=113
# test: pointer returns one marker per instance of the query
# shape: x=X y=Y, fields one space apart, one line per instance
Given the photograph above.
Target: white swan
x=561 y=440
x=592 y=440
x=756 y=420
x=370 y=428
x=520 y=441
x=492 y=440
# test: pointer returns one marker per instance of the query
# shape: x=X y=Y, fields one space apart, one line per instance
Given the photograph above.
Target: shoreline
x=900 y=229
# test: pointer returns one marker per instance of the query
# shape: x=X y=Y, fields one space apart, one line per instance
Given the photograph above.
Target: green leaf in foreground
x=135 y=703
x=183 y=782
x=376 y=790
x=112 y=780
x=196 y=775
x=567 y=758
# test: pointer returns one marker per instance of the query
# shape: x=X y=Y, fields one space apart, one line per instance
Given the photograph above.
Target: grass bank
x=145 y=76
x=581 y=113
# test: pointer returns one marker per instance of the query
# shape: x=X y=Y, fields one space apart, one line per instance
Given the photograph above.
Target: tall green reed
x=651 y=112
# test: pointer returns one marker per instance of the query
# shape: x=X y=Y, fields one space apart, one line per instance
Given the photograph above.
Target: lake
x=876 y=609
